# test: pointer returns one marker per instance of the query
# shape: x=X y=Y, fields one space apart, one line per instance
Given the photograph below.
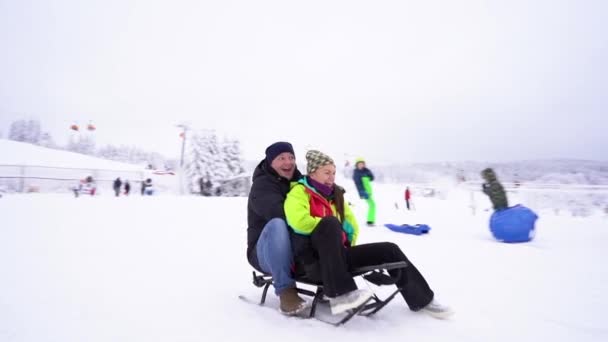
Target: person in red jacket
x=408 y=195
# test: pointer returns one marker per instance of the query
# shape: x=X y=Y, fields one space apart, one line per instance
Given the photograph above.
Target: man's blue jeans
x=275 y=255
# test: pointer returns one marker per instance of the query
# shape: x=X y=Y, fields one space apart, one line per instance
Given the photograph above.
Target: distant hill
x=558 y=171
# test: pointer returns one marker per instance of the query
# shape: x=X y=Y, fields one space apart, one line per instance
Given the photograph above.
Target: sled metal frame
x=374 y=274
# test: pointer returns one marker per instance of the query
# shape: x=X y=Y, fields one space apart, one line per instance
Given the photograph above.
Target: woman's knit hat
x=315 y=159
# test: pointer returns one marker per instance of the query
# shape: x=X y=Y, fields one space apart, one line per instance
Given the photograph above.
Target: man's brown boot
x=291 y=303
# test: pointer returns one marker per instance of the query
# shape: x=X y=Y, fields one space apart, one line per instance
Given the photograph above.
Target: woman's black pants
x=336 y=262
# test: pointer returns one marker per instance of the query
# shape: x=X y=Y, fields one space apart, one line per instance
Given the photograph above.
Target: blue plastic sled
x=514 y=224
x=417 y=229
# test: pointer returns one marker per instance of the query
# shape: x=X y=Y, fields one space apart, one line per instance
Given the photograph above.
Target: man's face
x=284 y=164
x=360 y=165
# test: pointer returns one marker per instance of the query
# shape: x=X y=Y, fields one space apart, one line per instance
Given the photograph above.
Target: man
x=408 y=196
x=268 y=237
x=363 y=178
x=117 y=185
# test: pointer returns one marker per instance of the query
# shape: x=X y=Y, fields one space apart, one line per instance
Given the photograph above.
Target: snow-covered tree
x=25 y=131
x=17 y=131
x=194 y=165
x=30 y=131
x=46 y=140
x=109 y=152
x=133 y=155
x=211 y=166
x=82 y=143
x=238 y=184
x=204 y=163
x=232 y=156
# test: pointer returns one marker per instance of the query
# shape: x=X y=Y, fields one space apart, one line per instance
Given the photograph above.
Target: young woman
x=324 y=238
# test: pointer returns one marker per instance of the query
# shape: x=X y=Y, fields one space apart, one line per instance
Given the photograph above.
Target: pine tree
x=194 y=163
x=132 y=154
x=46 y=140
x=238 y=183
x=232 y=157
x=33 y=131
x=17 y=131
x=30 y=131
x=205 y=163
x=82 y=143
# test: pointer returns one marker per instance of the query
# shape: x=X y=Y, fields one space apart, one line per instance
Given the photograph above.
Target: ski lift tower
x=183 y=135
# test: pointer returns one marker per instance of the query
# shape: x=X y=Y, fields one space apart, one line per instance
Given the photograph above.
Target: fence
x=36 y=178
x=33 y=178
x=579 y=200
x=574 y=199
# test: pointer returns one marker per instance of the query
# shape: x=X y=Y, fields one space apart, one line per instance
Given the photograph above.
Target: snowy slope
x=50 y=170
x=18 y=153
x=170 y=268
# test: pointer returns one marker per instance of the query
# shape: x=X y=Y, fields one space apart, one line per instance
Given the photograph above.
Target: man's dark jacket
x=266 y=198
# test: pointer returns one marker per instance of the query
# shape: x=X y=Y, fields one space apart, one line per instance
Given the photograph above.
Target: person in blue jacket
x=363 y=178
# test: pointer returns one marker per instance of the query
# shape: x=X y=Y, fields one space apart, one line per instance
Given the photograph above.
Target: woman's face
x=326 y=174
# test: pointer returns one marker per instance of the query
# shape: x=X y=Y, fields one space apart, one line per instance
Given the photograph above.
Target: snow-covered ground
x=170 y=268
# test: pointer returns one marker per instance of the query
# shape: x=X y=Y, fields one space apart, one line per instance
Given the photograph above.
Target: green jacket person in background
x=494 y=190
x=363 y=178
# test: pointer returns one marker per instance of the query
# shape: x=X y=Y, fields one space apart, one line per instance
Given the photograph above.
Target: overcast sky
x=386 y=80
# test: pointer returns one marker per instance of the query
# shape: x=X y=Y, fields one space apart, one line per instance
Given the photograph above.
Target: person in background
x=268 y=238
x=146 y=187
x=408 y=196
x=324 y=238
x=77 y=189
x=494 y=189
x=201 y=186
x=116 y=186
x=86 y=186
x=363 y=178
x=127 y=187
x=206 y=187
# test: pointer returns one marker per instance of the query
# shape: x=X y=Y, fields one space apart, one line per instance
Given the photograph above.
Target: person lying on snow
x=324 y=240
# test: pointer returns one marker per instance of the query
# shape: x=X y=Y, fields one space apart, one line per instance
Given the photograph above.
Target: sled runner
x=376 y=274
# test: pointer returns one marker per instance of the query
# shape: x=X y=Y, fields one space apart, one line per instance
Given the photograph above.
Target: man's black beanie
x=277 y=148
